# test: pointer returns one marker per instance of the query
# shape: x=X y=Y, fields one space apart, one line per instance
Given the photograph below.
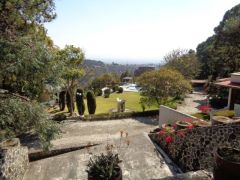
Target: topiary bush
x=91 y=102
x=120 y=90
x=107 y=93
x=225 y=113
x=62 y=98
x=98 y=92
x=18 y=117
x=69 y=102
x=115 y=88
x=80 y=102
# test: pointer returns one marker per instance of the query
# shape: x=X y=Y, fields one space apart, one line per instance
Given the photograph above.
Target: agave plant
x=104 y=167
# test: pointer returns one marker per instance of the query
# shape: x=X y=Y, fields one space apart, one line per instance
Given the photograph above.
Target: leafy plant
x=91 y=102
x=18 y=117
x=104 y=167
x=225 y=113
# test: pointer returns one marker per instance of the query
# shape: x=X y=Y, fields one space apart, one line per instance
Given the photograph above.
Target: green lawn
x=105 y=104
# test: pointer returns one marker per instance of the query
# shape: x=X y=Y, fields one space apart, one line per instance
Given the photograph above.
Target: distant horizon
x=136 y=31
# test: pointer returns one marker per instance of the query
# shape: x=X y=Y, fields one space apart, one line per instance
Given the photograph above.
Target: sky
x=135 y=31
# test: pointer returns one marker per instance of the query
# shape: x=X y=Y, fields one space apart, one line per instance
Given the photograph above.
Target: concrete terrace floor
x=140 y=160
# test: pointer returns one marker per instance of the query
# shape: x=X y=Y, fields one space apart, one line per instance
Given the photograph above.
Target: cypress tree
x=91 y=102
x=80 y=101
x=62 y=100
x=68 y=98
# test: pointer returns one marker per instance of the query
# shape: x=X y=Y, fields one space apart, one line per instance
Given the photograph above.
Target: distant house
x=127 y=80
x=233 y=83
x=142 y=70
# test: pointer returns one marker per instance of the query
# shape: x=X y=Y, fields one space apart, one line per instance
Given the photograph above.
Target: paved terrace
x=140 y=159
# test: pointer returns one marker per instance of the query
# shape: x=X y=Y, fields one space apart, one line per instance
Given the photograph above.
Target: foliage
x=98 y=92
x=27 y=54
x=80 y=102
x=104 y=167
x=219 y=54
x=120 y=90
x=107 y=93
x=62 y=98
x=160 y=85
x=105 y=80
x=115 y=88
x=91 y=102
x=18 y=117
x=226 y=113
x=125 y=74
x=184 y=61
x=201 y=115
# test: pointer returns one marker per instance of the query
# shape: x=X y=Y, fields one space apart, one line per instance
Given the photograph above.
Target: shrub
x=80 y=101
x=225 y=113
x=19 y=117
x=68 y=98
x=107 y=93
x=98 y=92
x=115 y=88
x=62 y=95
x=59 y=117
x=120 y=90
x=91 y=102
x=218 y=102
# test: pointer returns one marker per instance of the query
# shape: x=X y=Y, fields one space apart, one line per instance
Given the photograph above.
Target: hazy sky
x=135 y=31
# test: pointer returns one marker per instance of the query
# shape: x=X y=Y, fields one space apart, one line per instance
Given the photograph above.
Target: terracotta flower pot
x=227 y=164
x=183 y=124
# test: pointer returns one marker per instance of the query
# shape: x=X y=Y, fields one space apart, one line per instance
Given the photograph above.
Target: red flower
x=204 y=108
x=174 y=126
x=168 y=139
x=162 y=132
x=188 y=120
x=190 y=127
x=181 y=134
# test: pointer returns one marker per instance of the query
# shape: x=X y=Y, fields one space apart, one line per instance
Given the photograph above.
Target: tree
x=160 y=85
x=80 y=102
x=184 y=61
x=220 y=54
x=124 y=74
x=91 y=102
x=72 y=58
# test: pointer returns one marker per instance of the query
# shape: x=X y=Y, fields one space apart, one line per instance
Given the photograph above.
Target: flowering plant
x=205 y=108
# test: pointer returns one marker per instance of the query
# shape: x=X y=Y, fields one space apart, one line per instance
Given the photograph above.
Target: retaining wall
x=193 y=149
x=169 y=115
x=13 y=162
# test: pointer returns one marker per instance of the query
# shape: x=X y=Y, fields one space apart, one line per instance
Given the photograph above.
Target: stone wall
x=193 y=149
x=13 y=162
x=169 y=115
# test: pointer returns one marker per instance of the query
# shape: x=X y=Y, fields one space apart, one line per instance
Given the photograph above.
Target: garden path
x=192 y=102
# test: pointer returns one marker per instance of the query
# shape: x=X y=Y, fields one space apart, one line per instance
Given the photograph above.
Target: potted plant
x=183 y=124
x=227 y=164
x=104 y=167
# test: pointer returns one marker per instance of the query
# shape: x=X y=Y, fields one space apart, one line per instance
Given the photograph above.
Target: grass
x=105 y=104
x=132 y=102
